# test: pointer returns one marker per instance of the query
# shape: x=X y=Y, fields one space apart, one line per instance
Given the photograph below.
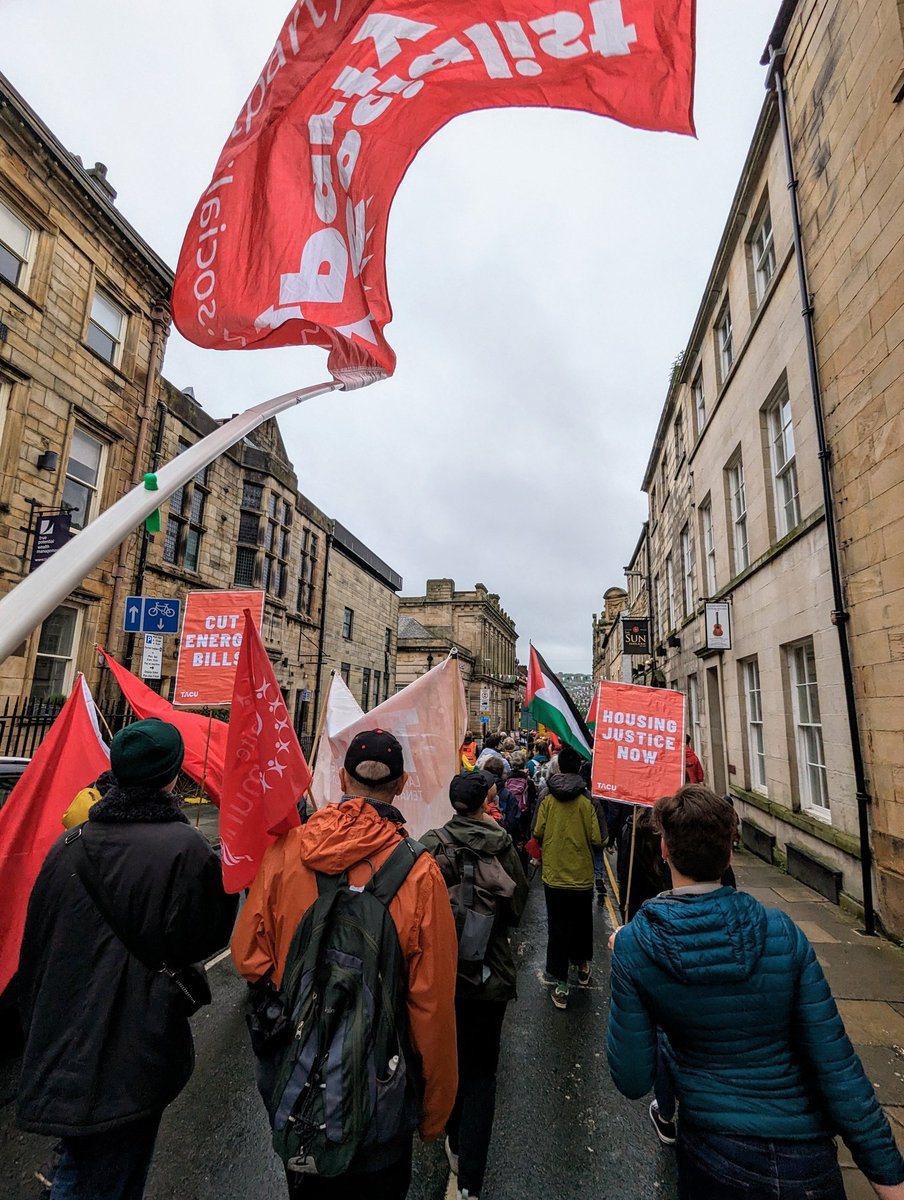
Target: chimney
x=98 y=173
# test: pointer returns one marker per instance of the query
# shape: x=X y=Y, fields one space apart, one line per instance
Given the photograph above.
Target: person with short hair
x=356 y=837
x=764 y=1071
x=491 y=751
x=468 y=752
x=107 y=1040
x=482 y=995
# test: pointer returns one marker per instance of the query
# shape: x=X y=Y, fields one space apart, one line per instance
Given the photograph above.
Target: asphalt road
x=562 y=1132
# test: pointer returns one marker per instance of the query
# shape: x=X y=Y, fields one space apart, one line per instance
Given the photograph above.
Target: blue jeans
x=107 y=1166
x=714 y=1166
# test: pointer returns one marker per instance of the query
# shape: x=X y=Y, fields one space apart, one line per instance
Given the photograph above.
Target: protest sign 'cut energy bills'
x=211 y=639
x=638 y=744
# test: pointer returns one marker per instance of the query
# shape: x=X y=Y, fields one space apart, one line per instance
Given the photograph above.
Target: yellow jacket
x=77 y=812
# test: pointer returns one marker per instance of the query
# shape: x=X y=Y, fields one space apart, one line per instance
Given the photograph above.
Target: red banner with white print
x=638 y=743
x=287 y=245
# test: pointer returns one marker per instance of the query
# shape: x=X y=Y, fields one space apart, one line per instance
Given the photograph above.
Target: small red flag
x=205 y=739
x=266 y=774
x=71 y=757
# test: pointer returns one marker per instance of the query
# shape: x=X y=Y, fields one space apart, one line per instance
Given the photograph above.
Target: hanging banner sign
x=211 y=640
x=718 y=625
x=287 y=245
x=636 y=635
x=638 y=743
x=51 y=534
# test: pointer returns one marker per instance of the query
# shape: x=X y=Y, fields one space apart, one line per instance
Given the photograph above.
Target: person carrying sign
x=764 y=1071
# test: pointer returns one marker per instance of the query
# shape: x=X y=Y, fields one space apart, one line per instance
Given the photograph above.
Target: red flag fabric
x=266 y=773
x=71 y=757
x=205 y=739
x=287 y=245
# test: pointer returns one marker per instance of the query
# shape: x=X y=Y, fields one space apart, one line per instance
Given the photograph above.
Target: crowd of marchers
x=379 y=971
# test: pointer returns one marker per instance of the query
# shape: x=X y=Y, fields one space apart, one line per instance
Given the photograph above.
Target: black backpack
x=476 y=883
x=348 y=1080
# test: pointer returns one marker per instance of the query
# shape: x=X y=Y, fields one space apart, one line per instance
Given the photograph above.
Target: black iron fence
x=25 y=720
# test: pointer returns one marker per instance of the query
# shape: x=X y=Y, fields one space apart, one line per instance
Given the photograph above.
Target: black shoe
x=666 y=1131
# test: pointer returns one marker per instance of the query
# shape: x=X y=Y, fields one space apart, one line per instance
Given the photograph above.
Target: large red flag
x=266 y=773
x=71 y=757
x=205 y=739
x=287 y=245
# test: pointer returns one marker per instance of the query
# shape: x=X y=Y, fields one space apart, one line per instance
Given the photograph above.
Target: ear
x=401 y=783
x=343 y=781
x=663 y=849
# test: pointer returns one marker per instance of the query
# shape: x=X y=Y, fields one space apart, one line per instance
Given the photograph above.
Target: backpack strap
x=468 y=872
x=394 y=871
x=327 y=884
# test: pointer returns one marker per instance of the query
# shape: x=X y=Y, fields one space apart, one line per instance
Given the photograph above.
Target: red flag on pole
x=266 y=773
x=205 y=739
x=287 y=245
x=71 y=757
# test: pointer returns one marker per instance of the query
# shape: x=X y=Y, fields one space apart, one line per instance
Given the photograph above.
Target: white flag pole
x=24 y=608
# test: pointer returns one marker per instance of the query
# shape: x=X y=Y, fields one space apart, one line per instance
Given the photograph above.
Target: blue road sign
x=151 y=614
x=484 y=720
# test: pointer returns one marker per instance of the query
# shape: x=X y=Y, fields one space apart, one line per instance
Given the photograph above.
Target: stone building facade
x=476 y=622
x=844 y=72
x=421 y=649
x=82 y=327
x=85 y=412
x=737 y=506
x=362 y=614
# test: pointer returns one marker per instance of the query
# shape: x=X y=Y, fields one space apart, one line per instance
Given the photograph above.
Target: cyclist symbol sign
x=151 y=614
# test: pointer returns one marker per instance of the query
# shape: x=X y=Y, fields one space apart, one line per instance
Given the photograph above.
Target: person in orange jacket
x=468 y=752
x=358 y=835
x=693 y=767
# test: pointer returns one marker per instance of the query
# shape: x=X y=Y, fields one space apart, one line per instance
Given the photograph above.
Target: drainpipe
x=160 y=321
x=775 y=80
x=321 y=639
x=162 y=411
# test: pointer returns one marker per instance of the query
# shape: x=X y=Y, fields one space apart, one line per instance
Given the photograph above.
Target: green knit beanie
x=147 y=753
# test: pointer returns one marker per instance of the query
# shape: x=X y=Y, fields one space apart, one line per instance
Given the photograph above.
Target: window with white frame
x=84 y=473
x=55 y=659
x=693 y=713
x=670 y=592
x=699 y=402
x=106 y=328
x=762 y=250
x=811 y=759
x=687 y=569
x=756 y=746
x=784 y=466
x=724 y=345
x=709 y=545
x=17 y=239
x=737 y=495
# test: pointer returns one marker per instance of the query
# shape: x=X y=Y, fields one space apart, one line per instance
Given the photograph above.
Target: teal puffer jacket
x=752 y=1035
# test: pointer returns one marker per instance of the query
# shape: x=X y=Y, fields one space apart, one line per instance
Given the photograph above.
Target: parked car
x=10 y=770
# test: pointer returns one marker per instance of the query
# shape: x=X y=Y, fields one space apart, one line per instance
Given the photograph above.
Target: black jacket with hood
x=106 y=1038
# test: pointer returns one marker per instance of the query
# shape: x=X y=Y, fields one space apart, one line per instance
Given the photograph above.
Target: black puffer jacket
x=106 y=1042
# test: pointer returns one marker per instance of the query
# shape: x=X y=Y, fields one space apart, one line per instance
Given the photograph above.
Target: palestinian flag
x=590 y=719
x=548 y=703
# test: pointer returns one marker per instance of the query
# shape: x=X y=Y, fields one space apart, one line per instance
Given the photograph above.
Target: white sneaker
x=466 y=1195
x=453 y=1158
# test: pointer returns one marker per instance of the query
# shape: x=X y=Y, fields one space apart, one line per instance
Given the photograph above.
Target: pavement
x=562 y=1131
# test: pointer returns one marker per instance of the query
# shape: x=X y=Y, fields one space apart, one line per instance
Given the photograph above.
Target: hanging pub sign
x=52 y=532
x=718 y=625
x=636 y=635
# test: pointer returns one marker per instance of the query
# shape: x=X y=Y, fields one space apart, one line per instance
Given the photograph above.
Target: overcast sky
x=544 y=270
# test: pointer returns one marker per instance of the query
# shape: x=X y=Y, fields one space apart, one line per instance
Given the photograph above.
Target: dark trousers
x=569 y=918
x=664 y=1088
x=717 y=1167
x=107 y=1166
x=479 y=1032
x=389 y=1183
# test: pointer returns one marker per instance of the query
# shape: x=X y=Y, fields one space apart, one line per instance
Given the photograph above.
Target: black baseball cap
x=375 y=745
x=468 y=790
